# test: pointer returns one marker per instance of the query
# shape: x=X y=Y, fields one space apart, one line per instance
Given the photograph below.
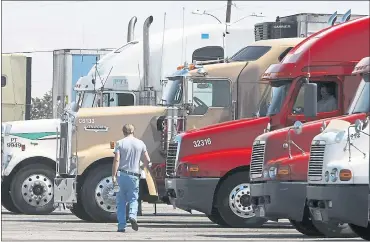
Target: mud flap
x=152 y=187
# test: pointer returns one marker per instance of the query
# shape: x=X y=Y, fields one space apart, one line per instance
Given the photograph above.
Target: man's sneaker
x=134 y=224
x=121 y=230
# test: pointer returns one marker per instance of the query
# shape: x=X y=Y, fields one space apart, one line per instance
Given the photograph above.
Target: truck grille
x=258 y=153
x=171 y=158
x=316 y=161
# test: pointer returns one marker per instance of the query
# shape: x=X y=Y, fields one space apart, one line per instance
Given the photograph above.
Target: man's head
x=128 y=129
x=326 y=91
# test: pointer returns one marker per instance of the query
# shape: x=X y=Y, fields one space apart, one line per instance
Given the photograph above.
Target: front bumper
x=192 y=193
x=340 y=203
x=277 y=200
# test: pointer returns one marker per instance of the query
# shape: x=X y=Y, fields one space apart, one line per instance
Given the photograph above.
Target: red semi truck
x=212 y=163
x=280 y=158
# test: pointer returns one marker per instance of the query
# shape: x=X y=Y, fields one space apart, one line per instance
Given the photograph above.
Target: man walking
x=126 y=172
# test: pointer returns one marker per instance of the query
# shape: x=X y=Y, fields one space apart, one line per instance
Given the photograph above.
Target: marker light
x=112 y=145
x=283 y=170
x=23 y=147
x=345 y=175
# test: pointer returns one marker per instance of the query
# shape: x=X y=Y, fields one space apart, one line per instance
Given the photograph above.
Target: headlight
x=334 y=175
x=272 y=172
x=326 y=176
x=339 y=136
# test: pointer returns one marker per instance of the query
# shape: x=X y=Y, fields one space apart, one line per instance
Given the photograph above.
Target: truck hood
x=222 y=138
x=34 y=129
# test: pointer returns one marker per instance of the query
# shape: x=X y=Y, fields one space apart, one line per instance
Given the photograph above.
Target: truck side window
x=215 y=93
x=125 y=99
x=327 y=100
x=3 y=81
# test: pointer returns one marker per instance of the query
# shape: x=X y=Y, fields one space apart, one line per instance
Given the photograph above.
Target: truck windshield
x=172 y=91
x=279 y=93
x=85 y=99
x=361 y=102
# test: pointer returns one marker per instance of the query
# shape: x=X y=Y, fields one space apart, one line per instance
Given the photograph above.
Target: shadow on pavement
x=259 y=235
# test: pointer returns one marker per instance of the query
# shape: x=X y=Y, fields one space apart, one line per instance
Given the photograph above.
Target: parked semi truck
x=203 y=84
x=299 y=25
x=280 y=158
x=112 y=80
x=338 y=170
x=213 y=163
x=16 y=72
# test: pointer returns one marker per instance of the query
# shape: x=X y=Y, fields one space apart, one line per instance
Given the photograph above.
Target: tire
x=362 y=232
x=78 y=209
x=245 y=218
x=34 y=179
x=6 y=199
x=100 y=175
x=306 y=226
x=335 y=230
x=216 y=218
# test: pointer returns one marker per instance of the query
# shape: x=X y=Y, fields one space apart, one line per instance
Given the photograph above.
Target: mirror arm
x=291 y=142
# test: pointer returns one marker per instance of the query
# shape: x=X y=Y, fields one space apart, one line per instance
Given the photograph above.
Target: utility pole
x=227 y=23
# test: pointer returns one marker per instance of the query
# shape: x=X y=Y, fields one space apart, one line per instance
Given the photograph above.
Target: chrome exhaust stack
x=148 y=95
x=131 y=29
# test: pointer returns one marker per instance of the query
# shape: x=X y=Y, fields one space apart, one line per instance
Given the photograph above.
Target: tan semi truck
x=218 y=93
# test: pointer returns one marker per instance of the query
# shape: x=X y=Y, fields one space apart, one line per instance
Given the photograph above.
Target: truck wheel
x=32 y=189
x=99 y=204
x=306 y=226
x=78 y=209
x=335 y=230
x=6 y=199
x=233 y=202
x=363 y=232
x=216 y=218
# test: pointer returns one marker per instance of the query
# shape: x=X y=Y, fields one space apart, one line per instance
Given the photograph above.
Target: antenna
x=183 y=29
x=164 y=30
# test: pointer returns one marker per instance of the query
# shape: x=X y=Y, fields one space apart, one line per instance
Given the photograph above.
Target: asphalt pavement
x=168 y=224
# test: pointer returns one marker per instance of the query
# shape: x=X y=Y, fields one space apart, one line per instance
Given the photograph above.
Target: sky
x=46 y=26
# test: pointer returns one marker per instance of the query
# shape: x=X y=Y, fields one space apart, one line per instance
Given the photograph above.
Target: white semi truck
x=29 y=150
x=338 y=172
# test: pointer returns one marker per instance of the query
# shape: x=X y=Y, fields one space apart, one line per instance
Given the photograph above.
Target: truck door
x=211 y=102
x=328 y=102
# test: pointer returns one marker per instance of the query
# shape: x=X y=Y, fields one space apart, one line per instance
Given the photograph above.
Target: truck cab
x=338 y=177
x=280 y=158
x=208 y=168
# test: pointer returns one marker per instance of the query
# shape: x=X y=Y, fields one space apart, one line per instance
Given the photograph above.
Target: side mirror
x=188 y=91
x=298 y=126
x=310 y=100
x=74 y=107
x=358 y=125
x=111 y=100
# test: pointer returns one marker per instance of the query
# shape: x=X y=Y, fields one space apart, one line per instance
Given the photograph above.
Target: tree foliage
x=42 y=108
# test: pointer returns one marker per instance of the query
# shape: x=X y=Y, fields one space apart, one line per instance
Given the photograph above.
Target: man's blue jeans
x=128 y=193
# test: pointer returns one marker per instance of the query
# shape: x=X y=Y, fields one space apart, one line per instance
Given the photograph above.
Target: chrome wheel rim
x=239 y=201
x=104 y=195
x=37 y=190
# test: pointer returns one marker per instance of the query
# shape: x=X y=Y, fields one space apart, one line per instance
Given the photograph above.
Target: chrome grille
x=258 y=153
x=316 y=161
x=171 y=158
